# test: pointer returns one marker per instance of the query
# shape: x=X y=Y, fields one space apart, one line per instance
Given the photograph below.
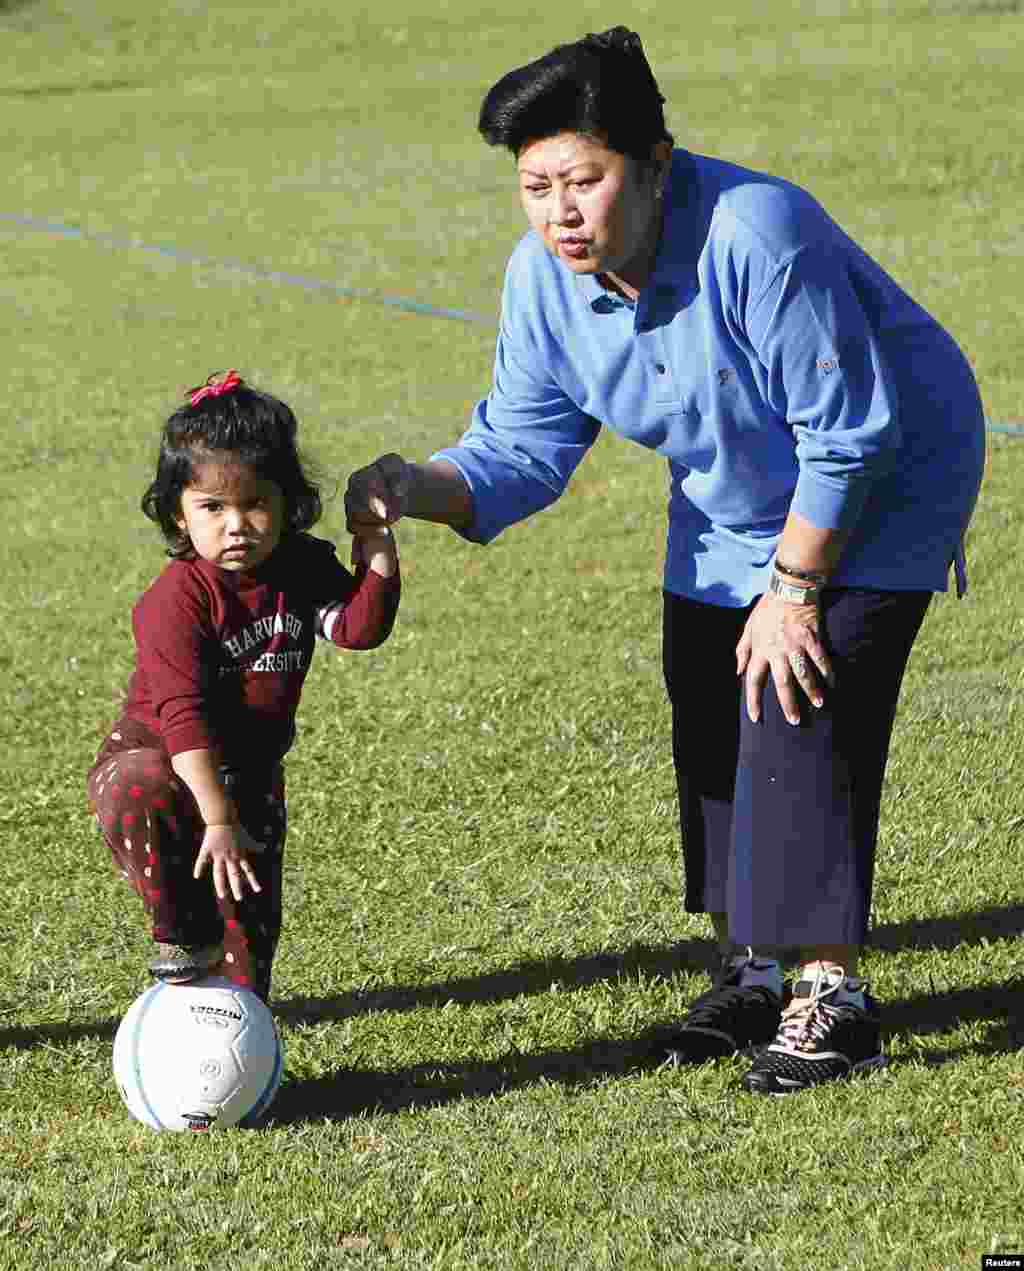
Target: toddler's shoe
x=185 y=963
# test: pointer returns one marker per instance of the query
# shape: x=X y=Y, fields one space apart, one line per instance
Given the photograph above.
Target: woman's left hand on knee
x=782 y=638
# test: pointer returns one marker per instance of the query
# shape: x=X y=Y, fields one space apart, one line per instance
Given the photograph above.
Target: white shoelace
x=805 y=1021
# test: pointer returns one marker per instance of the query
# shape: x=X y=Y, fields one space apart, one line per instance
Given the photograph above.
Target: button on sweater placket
x=651 y=344
x=664 y=385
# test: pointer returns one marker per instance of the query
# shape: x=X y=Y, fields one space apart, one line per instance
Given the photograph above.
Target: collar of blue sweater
x=685 y=231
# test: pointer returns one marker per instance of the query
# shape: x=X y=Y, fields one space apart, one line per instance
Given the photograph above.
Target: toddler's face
x=233 y=516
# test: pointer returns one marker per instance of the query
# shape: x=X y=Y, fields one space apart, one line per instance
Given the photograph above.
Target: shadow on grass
x=522 y=980
x=528 y=978
x=949 y=931
x=32 y=1035
x=515 y=981
x=347 y=1093
x=936 y=1011
x=924 y=1014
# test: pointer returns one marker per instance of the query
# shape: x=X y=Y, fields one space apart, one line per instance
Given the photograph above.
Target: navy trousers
x=780 y=822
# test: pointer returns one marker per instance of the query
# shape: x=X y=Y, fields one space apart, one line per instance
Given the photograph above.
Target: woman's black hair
x=601 y=86
x=235 y=419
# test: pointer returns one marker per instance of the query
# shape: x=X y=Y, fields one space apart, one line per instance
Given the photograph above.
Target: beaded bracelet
x=808 y=575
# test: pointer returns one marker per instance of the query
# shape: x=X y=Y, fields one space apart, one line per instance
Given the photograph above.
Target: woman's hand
x=226 y=848
x=782 y=637
x=378 y=494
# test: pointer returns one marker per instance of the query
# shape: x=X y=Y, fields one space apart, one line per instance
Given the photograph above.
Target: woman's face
x=594 y=208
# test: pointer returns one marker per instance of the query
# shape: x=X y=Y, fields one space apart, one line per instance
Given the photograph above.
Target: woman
x=825 y=443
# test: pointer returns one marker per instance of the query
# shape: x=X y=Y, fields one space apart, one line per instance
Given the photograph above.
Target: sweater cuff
x=481 y=529
x=191 y=736
x=365 y=620
x=376 y=584
x=829 y=504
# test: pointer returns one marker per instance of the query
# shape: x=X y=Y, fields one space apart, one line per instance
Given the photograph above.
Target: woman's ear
x=657 y=167
x=661 y=161
x=662 y=156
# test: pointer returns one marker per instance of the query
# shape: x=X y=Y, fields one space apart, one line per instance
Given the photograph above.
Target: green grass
x=483 y=930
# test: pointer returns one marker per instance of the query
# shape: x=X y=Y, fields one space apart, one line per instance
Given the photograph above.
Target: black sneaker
x=728 y=1018
x=184 y=963
x=818 y=1041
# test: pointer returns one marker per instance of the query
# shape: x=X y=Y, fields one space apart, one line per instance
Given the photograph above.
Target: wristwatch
x=795 y=593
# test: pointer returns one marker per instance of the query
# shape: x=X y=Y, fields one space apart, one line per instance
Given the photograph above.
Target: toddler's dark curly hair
x=226 y=416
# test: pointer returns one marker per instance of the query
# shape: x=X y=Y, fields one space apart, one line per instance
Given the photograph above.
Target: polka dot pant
x=153 y=829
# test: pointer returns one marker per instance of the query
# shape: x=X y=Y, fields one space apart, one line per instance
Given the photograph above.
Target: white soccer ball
x=197 y=1056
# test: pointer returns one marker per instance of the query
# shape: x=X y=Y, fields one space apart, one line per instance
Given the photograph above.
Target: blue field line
x=298 y=280
x=249 y=271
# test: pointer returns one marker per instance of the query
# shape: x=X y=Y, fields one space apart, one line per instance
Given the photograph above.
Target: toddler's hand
x=226 y=848
x=376 y=549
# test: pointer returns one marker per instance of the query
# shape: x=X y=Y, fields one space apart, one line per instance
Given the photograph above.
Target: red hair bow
x=215 y=386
